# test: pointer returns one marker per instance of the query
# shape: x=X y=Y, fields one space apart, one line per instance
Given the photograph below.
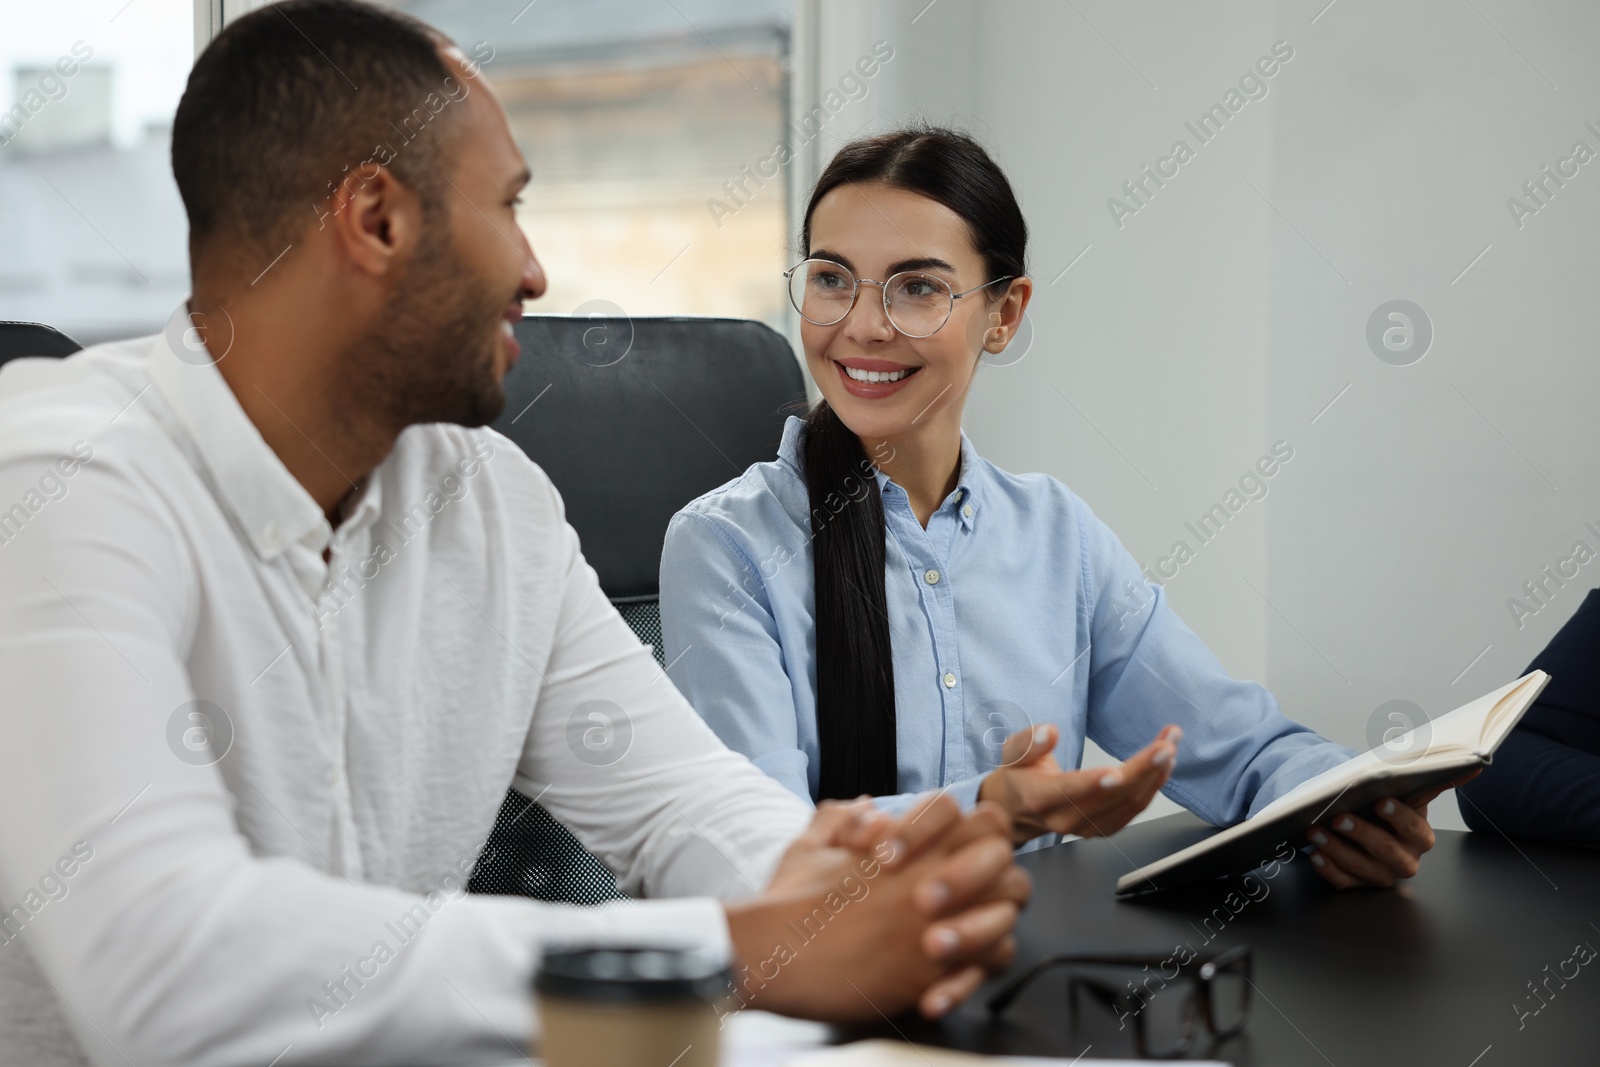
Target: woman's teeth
x=876 y=375
x=506 y=328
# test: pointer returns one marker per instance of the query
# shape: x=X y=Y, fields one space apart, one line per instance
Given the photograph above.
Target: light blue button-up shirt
x=1015 y=606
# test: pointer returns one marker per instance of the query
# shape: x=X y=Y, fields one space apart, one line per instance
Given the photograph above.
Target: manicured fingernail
x=934 y=895
x=1110 y=781
x=895 y=847
x=1346 y=824
x=945 y=941
x=1041 y=734
x=939 y=1004
x=1161 y=756
x=1388 y=807
x=1320 y=838
x=1176 y=735
x=1318 y=860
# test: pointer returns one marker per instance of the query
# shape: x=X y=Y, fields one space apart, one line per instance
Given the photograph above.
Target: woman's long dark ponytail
x=854 y=657
x=855 y=665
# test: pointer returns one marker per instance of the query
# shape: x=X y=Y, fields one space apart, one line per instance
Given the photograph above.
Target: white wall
x=1228 y=312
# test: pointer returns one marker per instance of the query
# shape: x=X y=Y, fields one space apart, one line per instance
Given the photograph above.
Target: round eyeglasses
x=917 y=304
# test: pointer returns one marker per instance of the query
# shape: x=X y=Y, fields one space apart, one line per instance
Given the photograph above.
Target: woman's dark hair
x=855 y=665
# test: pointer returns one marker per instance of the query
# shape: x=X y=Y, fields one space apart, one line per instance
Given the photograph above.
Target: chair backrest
x=19 y=339
x=634 y=418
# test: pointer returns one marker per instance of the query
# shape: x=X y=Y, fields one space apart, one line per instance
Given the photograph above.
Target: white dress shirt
x=241 y=788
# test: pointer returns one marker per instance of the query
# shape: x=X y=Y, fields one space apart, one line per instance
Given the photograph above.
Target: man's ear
x=375 y=219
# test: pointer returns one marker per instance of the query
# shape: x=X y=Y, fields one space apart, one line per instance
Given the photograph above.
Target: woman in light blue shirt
x=880 y=610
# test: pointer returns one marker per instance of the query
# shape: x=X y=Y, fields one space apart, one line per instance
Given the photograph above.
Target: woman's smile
x=873 y=379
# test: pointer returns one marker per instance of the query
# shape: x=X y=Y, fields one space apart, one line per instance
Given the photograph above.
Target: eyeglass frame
x=1202 y=970
x=883 y=288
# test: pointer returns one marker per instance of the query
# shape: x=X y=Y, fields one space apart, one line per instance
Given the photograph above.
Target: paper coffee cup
x=623 y=1007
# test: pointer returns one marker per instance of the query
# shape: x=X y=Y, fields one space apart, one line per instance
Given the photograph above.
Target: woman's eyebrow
x=924 y=263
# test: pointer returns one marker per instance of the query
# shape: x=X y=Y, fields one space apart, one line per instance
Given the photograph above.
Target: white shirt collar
x=272 y=509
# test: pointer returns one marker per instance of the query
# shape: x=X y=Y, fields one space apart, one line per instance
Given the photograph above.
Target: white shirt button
x=949 y=680
x=272 y=534
x=967 y=510
x=931 y=577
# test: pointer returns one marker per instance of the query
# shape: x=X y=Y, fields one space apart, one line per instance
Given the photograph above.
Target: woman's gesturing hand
x=1041 y=797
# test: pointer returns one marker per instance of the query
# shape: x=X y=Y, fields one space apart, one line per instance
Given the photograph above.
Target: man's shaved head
x=290 y=99
x=371 y=145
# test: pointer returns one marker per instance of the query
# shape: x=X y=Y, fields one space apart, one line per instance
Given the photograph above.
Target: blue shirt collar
x=966 y=498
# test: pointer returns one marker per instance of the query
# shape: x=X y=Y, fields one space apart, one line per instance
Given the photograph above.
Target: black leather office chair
x=19 y=339
x=632 y=419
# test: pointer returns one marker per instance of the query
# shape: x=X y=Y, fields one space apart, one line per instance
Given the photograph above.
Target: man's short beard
x=431 y=356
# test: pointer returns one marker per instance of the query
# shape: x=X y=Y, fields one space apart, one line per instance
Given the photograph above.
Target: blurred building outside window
x=657 y=132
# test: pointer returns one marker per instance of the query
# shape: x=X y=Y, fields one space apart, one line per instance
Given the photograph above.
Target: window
x=657 y=135
x=92 y=232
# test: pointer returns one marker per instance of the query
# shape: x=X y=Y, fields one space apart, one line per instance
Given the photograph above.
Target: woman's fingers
x=1068 y=800
x=1076 y=802
x=1331 y=872
x=1154 y=784
x=1155 y=758
x=1030 y=746
x=1042 y=797
x=1380 y=844
x=1408 y=824
x=1149 y=771
x=1352 y=859
x=1357 y=851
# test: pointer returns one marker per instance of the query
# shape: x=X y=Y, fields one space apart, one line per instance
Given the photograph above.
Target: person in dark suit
x=1544 y=783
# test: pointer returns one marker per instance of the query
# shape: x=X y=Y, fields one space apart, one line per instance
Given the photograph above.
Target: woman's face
x=877 y=230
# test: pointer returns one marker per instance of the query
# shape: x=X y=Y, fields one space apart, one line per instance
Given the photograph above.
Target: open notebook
x=1424 y=758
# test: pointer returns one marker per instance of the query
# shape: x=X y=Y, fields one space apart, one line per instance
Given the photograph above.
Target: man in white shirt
x=281 y=622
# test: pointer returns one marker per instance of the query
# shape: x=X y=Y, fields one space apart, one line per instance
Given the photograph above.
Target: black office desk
x=1424 y=974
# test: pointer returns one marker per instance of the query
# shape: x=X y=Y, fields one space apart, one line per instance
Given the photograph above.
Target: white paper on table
x=761 y=1039
x=883 y=1053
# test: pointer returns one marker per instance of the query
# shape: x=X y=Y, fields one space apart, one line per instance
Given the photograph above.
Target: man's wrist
x=755 y=933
